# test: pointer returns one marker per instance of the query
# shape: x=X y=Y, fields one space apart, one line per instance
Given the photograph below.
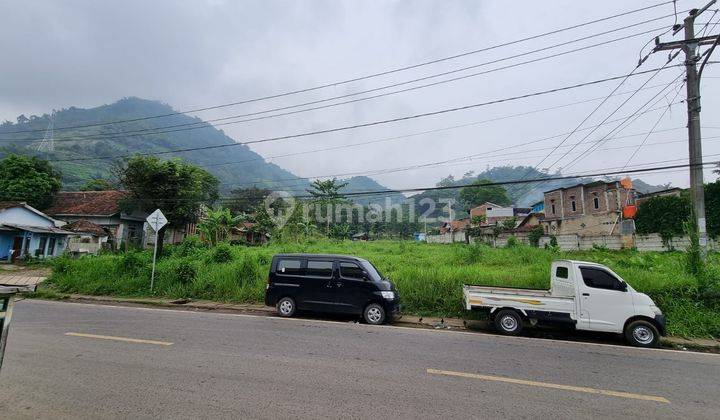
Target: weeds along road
x=67 y=360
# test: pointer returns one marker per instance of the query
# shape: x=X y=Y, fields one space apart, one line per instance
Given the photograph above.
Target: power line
x=620 y=127
x=373 y=75
x=653 y=128
x=437 y=130
x=526 y=181
x=511 y=182
x=453 y=162
x=205 y=124
x=610 y=133
x=369 y=124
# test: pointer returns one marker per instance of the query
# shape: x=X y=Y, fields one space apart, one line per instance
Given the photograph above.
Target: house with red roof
x=100 y=209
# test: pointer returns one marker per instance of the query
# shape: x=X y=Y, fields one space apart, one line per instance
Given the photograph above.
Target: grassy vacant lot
x=428 y=276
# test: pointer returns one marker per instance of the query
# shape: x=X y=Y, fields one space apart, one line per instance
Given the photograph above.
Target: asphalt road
x=67 y=360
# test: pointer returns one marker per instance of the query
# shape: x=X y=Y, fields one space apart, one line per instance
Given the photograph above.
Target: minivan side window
x=289 y=267
x=561 y=272
x=319 y=268
x=351 y=271
x=600 y=279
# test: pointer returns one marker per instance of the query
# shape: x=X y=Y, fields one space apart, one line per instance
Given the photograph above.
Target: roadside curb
x=456 y=324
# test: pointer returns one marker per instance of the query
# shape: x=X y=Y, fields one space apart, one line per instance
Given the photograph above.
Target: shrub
x=222 y=253
x=512 y=242
x=189 y=246
x=535 y=234
x=186 y=272
x=133 y=262
x=61 y=264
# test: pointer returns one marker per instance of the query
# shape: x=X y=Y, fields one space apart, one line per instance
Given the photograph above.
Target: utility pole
x=690 y=45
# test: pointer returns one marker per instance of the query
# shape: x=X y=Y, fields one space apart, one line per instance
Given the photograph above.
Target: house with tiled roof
x=89 y=237
x=101 y=208
x=27 y=232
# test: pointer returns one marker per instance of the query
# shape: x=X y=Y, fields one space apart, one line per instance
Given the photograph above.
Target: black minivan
x=330 y=283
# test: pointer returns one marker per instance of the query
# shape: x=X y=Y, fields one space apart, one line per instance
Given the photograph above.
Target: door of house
x=16 y=248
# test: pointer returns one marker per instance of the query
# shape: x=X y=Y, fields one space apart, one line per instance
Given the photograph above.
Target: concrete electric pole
x=690 y=45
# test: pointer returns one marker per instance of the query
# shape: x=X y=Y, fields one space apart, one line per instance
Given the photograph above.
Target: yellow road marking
x=126 y=339
x=550 y=385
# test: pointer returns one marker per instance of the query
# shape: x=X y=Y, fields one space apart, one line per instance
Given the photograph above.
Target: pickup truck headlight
x=388 y=295
x=656 y=310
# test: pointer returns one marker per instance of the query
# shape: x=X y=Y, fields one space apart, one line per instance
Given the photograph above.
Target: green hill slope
x=246 y=166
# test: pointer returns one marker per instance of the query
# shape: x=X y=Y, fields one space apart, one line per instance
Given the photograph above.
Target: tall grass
x=429 y=277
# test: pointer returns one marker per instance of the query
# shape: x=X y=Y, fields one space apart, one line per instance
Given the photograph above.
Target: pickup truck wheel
x=286 y=307
x=374 y=314
x=508 y=322
x=642 y=334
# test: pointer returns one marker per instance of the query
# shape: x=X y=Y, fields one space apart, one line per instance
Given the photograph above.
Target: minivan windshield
x=372 y=271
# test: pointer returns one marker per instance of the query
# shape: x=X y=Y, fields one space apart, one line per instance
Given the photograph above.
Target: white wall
x=23 y=216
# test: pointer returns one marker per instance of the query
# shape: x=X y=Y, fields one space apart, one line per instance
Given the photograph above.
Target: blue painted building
x=25 y=230
x=538 y=207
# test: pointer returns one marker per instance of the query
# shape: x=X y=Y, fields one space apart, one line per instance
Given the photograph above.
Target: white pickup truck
x=583 y=295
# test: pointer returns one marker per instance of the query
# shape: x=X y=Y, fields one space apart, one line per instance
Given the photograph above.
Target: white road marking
x=538 y=384
x=125 y=339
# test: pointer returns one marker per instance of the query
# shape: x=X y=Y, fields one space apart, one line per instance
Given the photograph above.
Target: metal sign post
x=156 y=221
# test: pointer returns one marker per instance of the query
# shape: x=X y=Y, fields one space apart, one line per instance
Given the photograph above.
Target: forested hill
x=364 y=183
x=83 y=143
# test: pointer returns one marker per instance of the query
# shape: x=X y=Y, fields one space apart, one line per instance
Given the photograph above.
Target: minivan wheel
x=508 y=322
x=642 y=334
x=374 y=314
x=286 y=307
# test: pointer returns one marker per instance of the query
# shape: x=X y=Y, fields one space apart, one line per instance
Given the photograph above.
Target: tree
x=509 y=224
x=245 y=200
x=326 y=194
x=479 y=192
x=217 y=224
x=663 y=215
x=97 y=184
x=28 y=179
x=175 y=187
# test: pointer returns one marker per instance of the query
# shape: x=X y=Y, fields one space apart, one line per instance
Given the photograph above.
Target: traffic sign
x=157 y=220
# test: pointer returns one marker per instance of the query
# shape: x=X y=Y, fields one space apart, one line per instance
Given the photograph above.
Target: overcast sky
x=198 y=53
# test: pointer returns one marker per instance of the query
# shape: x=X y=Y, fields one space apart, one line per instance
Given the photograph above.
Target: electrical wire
x=205 y=124
x=365 y=77
x=632 y=156
x=361 y=125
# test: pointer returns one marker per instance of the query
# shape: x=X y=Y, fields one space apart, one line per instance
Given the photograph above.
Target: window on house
x=552 y=206
x=51 y=247
x=572 y=203
x=41 y=247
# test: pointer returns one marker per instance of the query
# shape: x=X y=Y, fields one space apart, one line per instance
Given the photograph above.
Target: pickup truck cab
x=583 y=295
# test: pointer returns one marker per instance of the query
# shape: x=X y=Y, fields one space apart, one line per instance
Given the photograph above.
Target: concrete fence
x=644 y=243
x=446 y=238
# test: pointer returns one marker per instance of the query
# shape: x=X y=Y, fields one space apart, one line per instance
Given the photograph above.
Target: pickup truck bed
x=527 y=300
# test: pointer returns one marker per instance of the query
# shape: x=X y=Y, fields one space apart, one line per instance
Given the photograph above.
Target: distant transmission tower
x=48 y=142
